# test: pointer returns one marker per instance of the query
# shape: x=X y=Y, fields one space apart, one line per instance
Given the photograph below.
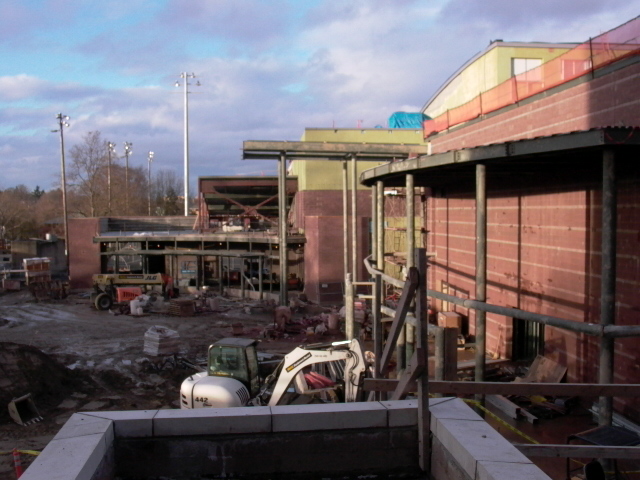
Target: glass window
x=228 y=362
x=527 y=68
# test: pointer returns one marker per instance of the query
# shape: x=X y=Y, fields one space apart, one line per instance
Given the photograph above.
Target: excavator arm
x=300 y=358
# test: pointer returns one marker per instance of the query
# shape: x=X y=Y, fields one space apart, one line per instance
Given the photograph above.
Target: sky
x=267 y=70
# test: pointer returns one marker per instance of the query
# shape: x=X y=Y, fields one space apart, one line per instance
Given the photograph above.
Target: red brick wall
x=84 y=255
x=610 y=100
x=544 y=241
x=324 y=255
x=544 y=235
x=311 y=203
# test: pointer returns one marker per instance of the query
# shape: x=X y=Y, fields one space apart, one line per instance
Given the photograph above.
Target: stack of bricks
x=182 y=307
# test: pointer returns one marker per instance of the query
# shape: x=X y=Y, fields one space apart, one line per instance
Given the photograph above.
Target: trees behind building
x=97 y=186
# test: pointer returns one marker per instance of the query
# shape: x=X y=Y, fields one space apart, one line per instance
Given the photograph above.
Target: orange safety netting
x=598 y=52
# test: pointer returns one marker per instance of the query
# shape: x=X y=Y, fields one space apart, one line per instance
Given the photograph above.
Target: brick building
x=561 y=179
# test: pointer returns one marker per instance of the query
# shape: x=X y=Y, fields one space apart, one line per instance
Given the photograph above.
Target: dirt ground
x=71 y=357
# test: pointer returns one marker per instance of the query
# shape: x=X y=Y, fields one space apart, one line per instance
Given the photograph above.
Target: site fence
x=598 y=52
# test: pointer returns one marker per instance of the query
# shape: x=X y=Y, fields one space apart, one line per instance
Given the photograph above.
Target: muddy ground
x=71 y=357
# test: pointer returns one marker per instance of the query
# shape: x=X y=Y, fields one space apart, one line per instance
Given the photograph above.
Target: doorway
x=528 y=339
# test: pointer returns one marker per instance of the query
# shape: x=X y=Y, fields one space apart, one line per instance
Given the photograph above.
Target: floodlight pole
x=185 y=84
x=62 y=122
x=127 y=151
x=110 y=147
x=150 y=159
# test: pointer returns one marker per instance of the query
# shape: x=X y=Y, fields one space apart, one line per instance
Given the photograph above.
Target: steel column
x=379 y=228
x=282 y=219
x=349 y=307
x=608 y=279
x=411 y=245
x=481 y=269
x=345 y=217
x=422 y=347
x=354 y=217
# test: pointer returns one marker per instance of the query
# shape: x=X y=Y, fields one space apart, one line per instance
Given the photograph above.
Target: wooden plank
x=578 y=451
x=409 y=376
x=544 y=370
x=524 y=389
x=471 y=364
x=406 y=298
x=504 y=405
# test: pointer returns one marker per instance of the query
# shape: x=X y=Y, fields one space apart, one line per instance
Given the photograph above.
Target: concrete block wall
x=297 y=441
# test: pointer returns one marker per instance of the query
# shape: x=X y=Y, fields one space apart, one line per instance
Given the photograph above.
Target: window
x=527 y=69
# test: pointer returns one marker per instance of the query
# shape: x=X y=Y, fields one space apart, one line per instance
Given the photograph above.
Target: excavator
x=315 y=373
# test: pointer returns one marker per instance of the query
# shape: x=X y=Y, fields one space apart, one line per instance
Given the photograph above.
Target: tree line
x=99 y=184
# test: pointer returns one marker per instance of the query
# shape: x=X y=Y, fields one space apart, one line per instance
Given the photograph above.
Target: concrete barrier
x=295 y=441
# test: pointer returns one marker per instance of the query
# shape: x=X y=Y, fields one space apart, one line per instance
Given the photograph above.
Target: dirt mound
x=25 y=369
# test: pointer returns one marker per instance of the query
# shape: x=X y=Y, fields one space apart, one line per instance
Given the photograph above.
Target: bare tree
x=166 y=189
x=17 y=213
x=87 y=176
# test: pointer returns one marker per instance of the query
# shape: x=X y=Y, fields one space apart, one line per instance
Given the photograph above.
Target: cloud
x=268 y=69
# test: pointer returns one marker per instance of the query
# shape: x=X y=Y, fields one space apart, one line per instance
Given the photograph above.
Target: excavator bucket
x=23 y=410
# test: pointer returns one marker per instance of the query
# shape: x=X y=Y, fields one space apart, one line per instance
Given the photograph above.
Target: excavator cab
x=236 y=358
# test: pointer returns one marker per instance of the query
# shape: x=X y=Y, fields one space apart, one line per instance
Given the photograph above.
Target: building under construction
x=516 y=215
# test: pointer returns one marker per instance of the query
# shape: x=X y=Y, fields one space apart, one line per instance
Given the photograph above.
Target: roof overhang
x=523 y=156
x=378 y=152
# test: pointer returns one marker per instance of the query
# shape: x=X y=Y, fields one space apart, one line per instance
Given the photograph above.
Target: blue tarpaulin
x=407 y=120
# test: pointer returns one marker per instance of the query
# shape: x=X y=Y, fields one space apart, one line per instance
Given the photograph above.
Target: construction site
x=452 y=298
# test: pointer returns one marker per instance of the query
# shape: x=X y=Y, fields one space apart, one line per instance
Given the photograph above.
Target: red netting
x=598 y=52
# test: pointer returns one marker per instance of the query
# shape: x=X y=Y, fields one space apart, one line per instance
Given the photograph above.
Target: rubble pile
x=25 y=369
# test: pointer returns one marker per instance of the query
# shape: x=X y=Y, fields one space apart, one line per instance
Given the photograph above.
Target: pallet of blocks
x=182 y=307
x=160 y=340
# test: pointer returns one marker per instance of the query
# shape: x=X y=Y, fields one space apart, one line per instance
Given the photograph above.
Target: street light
x=63 y=122
x=186 y=76
x=110 y=149
x=150 y=158
x=127 y=151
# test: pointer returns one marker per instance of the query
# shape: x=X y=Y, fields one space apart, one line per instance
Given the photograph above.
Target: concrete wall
x=297 y=441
